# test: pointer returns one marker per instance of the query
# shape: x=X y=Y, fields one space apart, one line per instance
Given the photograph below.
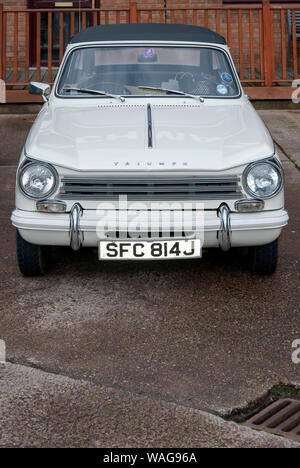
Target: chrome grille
x=189 y=188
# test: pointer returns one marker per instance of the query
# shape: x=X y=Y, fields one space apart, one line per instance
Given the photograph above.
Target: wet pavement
x=139 y=354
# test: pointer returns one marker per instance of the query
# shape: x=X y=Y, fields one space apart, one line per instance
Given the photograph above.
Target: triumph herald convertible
x=147 y=148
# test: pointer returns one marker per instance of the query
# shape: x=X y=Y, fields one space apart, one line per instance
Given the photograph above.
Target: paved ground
x=136 y=354
x=284 y=126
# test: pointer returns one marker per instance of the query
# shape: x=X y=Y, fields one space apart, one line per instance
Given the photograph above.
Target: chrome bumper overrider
x=76 y=236
x=224 y=233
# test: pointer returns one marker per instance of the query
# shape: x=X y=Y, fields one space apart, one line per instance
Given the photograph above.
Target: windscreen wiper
x=172 y=91
x=95 y=91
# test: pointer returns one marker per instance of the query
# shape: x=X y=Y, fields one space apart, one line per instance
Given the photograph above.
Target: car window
x=124 y=70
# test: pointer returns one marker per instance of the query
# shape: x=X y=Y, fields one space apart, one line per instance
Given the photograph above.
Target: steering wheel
x=186 y=80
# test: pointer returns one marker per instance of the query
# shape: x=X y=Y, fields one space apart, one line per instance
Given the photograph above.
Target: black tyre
x=31 y=258
x=264 y=258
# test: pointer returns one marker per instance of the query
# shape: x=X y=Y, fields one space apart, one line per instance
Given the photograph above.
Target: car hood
x=186 y=136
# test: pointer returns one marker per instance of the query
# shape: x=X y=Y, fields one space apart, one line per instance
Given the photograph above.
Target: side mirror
x=40 y=89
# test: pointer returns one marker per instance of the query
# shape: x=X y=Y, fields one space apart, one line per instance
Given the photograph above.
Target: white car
x=148 y=148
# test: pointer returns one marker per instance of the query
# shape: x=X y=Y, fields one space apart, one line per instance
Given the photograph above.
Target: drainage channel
x=276 y=412
x=280 y=418
x=287 y=155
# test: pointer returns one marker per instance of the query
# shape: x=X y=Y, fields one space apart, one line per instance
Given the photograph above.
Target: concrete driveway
x=142 y=354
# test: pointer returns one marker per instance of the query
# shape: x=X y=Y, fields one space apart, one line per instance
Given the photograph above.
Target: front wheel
x=264 y=258
x=31 y=258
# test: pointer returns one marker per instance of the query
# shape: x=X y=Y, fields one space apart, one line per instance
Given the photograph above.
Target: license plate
x=149 y=250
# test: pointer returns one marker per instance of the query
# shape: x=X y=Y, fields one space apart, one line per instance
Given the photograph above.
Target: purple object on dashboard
x=149 y=53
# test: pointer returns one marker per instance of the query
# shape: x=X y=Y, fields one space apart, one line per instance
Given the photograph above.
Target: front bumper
x=220 y=228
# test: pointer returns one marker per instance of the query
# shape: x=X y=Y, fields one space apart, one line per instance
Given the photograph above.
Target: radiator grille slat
x=191 y=188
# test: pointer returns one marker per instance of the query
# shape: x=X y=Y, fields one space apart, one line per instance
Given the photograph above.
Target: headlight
x=263 y=179
x=37 y=180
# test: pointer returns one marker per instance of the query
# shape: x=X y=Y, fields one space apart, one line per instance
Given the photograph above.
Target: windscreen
x=202 y=71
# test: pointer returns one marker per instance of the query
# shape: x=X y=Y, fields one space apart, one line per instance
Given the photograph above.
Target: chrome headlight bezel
x=275 y=165
x=30 y=163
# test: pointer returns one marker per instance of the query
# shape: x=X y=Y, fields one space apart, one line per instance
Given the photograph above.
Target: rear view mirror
x=40 y=89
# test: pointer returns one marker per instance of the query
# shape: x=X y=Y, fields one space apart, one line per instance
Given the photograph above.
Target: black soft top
x=148 y=32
